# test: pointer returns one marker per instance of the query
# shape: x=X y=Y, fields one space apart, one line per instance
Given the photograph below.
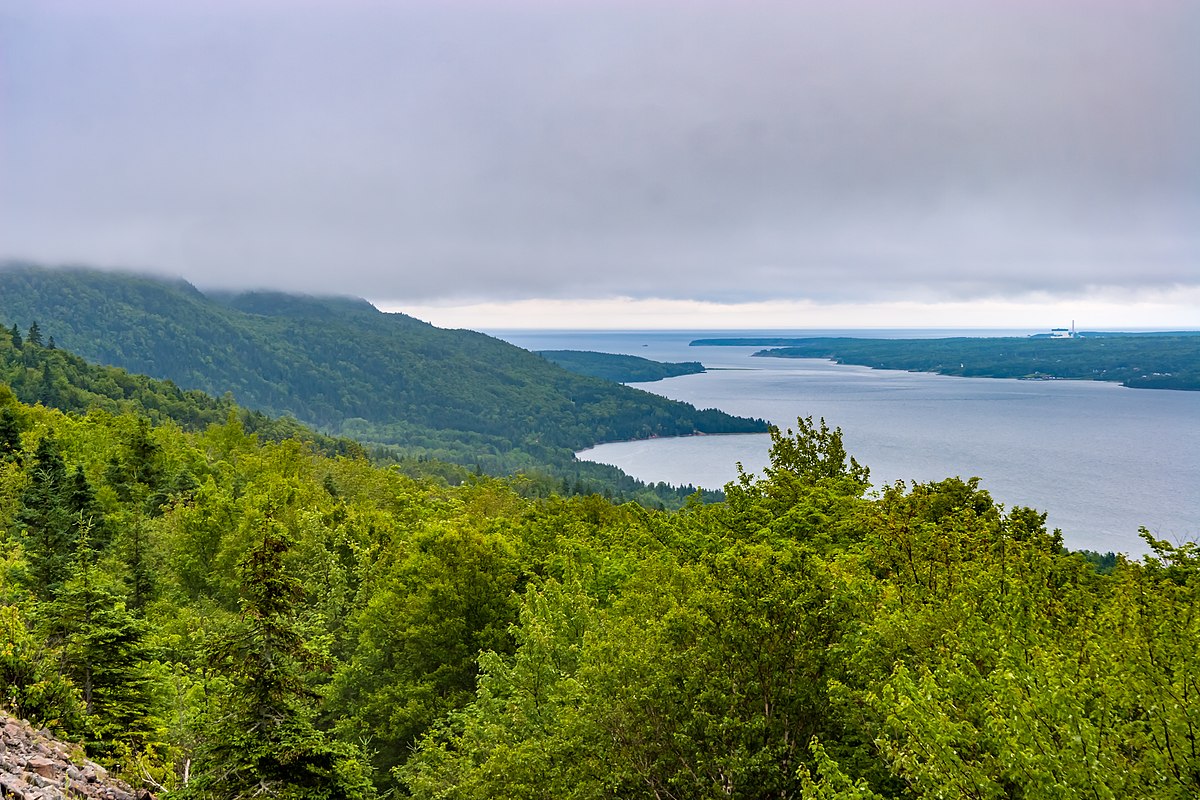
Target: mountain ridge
x=346 y=368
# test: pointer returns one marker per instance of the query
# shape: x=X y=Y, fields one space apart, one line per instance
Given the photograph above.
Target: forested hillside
x=1144 y=361
x=346 y=368
x=38 y=371
x=619 y=368
x=217 y=615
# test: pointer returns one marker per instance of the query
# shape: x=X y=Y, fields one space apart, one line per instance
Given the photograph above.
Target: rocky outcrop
x=35 y=766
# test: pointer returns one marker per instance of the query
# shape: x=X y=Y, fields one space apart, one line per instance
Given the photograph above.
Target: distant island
x=1141 y=361
x=619 y=368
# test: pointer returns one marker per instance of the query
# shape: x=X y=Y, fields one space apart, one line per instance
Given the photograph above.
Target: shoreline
x=694 y=435
x=947 y=374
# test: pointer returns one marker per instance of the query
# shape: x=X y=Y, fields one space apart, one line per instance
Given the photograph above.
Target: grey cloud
x=832 y=150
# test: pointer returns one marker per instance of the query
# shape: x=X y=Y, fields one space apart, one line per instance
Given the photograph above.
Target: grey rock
x=34 y=766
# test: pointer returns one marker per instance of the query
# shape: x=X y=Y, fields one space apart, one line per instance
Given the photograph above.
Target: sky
x=621 y=163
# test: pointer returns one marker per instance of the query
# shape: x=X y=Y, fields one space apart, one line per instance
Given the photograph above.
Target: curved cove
x=1100 y=459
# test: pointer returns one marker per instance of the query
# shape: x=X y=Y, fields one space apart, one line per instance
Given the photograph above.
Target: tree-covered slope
x=59 y=379
x=344 y=367
x=619 y=368
x=56 y=378
x=1161 y=361
x=216 y=616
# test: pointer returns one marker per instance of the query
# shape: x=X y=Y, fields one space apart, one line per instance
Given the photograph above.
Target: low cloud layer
x=469 y=150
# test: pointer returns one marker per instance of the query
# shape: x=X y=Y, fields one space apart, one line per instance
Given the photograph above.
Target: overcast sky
x=528 y=158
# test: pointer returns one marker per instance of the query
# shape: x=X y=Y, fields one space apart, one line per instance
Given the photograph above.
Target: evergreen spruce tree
x=104 y=653
x=15 y=333
x=34 y=336
x=141 y=577
x=80 y=500
x=184 y=485
x=48 y=532
x=264 y=742
x=47 y=391
x=135 y=474
x=136 y=477
x=10 y=435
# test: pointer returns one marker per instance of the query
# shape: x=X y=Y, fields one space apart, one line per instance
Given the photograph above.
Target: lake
x=1101 y=459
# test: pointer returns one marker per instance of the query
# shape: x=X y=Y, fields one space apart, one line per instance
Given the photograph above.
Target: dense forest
x=219 y=614
x=619 y=368
x=347 y=369
x=406 y=391
x=1159 y=361
x=38 y=371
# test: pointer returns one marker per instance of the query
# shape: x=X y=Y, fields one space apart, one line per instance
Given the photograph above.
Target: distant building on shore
x=1063 y=333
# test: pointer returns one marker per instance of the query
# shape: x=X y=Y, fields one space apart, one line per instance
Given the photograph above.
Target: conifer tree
x=136 y=474
x=15 y=333
x=136 y=477
x=80 y=500
x=265 y=742
x=104 y=653
x=47 y=392
x=34 y=336
x=10 y=435
x=48 y=533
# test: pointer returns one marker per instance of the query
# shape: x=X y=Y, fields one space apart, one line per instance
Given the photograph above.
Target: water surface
x=1101 y=459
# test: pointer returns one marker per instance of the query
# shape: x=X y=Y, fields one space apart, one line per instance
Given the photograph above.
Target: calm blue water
x=1102 y=460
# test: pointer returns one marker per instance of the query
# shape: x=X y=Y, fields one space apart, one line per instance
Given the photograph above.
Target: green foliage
x=832 y=782
x=312 y=614
x=344 y=367
x=722 y=682
x=264 y=741
x=1151 y=362
x=812 y=454
x=49 y=532
x=619 y=368
x=10 y=435
x=523 y=736
x=444 y=596
x=411 y=393
x=30 y=685
x=103 y=652
x=808 y=491
x=60 y=379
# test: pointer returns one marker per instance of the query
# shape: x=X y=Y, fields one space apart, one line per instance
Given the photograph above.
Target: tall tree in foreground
x=137 y=477
x=263 y=742
x=104 y=653
x=47 y=530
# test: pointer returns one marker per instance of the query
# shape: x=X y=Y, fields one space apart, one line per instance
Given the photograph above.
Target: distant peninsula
x=1141 y=361
x=619 y=368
